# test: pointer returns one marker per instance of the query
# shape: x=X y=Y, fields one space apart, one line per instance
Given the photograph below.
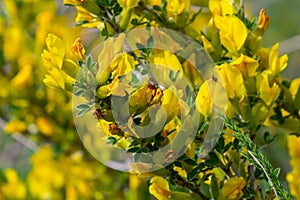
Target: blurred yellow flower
x=153 y=2
x=295 y=87
x=14 y=43
x=44 y=126
x=177 y=7
x=45 y=178
x=15 y=187
x=233 y=33
x=277 y=64
x=128 y=3
x=15 y=126
x=293 y=176
x=160 y=188
x=232 y=189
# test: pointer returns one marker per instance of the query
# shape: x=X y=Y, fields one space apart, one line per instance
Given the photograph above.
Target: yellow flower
x=203 y=100
x=45 y=178
x=220 y=7
x=294 y=87
x=267 y=94
x=113 y=61
x=246 y=65
x=162 y=64
x=89 y=5
x=128 y=3
x=177 y=7
x=277 y=64
x=44 y=126
x=233 y=33
x=84 y=15
x=232 y=189
x=14 y=43
x=233 y=81
x=180 y=171
x=293 y=176
x=160 y=188
x=53 y=60
x=153 y=2
x=263 y=21
x=14 y=188
x=170 y=102
x=15 y=126
x=77 y=49
x=207 y=45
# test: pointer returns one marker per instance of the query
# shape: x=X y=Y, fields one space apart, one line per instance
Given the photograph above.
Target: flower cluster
x=147 y=92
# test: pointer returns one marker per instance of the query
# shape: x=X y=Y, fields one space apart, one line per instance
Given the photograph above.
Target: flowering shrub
x=158 y=88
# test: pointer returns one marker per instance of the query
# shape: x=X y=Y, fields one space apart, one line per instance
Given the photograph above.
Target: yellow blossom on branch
x=268 y=93
x=277 y=64
x=232 y=189
x=160 y=188
x=233 y=33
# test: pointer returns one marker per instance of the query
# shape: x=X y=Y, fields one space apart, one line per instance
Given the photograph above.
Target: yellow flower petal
x=277 y=64
x=233 y=81
x=267 y=94
x=246 y=65
x=233 y=32
x=160 y=188
x=220 y=7
x=203 y=100
x=232 y=189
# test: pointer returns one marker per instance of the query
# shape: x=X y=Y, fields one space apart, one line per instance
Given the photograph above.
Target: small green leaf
x=267 y=137
x=140 y=46
x=192 y=174
x=190 y=161
x=133 y=149
x=177 y=164
x=111 y=140
x=277 y=171
x=157 y=8
x=82 y=106
x=214 y=188
x=150 y=42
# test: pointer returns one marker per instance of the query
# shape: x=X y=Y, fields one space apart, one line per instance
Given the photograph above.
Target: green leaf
x=157 y=8
x=81 y=112
x=150 y=42
x=82 y=106
x=192 y=174
x=177 y=164
x=277 y=171
x=140 y=46
x=111 y=140
x=133 y=149
x=267 y=137
x=214 y=188
x=190 y=161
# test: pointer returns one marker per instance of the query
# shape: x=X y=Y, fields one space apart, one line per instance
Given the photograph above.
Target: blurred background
x=36 y=126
